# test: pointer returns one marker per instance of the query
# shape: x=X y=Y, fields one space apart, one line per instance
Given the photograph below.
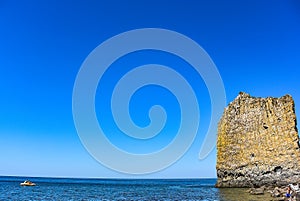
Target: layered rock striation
x=258 y=143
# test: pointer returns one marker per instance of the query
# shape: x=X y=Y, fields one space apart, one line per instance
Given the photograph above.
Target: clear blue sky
x=254 y=44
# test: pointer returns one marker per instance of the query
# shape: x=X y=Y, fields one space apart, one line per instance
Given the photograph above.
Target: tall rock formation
x=258 y=143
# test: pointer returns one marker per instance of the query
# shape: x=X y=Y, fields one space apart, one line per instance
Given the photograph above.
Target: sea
x=121 y=190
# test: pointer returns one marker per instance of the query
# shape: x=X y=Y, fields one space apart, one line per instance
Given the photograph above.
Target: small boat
x=27 y=183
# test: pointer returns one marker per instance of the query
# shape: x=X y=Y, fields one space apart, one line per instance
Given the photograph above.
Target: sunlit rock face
x=258 y=143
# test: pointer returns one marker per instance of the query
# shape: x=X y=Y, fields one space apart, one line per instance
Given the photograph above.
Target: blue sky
x=254 y=44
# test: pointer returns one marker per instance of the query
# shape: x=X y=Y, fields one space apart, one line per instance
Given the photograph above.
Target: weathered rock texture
x=258 y=143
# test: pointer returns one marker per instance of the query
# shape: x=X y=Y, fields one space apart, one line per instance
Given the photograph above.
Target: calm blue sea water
x=115 y=189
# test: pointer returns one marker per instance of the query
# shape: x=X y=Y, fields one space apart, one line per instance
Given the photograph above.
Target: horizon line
x=108 y=178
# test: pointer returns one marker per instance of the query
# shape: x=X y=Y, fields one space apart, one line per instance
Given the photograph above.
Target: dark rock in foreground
x=258 y=143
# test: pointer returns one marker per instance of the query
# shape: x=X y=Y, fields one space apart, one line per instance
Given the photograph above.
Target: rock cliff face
x=258 y=143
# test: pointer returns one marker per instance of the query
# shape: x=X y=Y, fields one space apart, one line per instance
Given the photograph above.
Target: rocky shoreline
x=276 y=193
